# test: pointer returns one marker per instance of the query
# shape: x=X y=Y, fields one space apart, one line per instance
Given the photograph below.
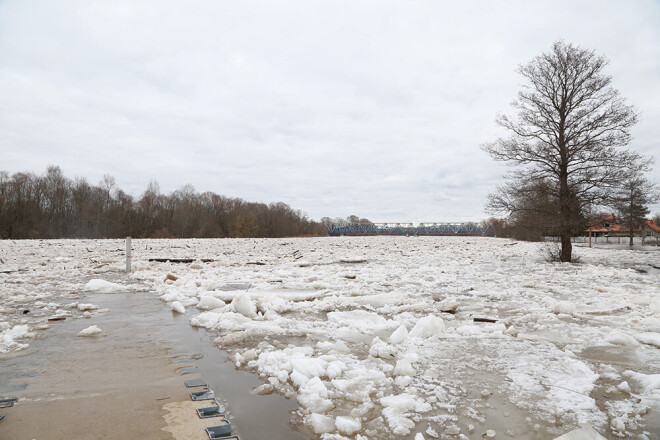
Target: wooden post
x=128 y=254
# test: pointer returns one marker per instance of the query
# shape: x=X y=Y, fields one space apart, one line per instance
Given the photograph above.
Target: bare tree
x=631 y=201
x=570 y=131
x=53 y=206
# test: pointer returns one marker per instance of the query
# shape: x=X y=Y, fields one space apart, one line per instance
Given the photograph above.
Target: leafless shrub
x=552 y=254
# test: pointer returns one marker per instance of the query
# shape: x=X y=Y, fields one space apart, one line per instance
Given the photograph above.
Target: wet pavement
x=62 y=369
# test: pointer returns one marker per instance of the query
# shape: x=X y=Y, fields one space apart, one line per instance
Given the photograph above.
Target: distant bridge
x=441 y=229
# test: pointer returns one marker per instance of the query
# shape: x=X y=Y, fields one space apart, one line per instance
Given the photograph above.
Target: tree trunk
x=631 y=223
x=566 y=248
x=565 y=216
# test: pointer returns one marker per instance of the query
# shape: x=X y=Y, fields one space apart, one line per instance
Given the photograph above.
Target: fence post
x=128 y=254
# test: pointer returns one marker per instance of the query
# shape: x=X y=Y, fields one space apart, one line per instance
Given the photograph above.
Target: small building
x=650 y=230
x=607 y=226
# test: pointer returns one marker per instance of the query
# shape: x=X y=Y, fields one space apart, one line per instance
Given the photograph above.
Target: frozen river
x=389 y=337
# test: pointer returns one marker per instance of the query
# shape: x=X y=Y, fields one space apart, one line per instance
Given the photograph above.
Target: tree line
x=54 y=206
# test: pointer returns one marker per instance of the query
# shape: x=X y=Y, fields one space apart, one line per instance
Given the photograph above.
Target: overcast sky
x=341 y=107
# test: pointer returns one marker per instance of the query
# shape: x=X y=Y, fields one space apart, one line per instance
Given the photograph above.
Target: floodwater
x=142 y=318
x=621 y=246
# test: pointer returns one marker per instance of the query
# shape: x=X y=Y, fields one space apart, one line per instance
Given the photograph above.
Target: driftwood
x=180 y=260
x=478 y=319
x=172 y=260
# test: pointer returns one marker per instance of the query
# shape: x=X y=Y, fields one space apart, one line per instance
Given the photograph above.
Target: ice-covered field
x=389 y=337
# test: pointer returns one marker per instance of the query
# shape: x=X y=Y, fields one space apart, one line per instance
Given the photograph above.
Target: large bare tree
x=569 y=132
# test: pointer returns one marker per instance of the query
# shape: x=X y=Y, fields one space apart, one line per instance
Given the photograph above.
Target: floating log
x=172 y=260
x=180 y=260
x=478 y=319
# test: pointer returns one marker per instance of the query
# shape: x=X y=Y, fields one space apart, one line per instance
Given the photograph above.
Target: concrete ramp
x=584 y=433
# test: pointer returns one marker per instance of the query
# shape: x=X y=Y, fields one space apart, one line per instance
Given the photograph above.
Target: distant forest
x=54 y=206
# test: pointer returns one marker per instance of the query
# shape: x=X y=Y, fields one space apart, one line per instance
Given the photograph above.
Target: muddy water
x=134 y=321
x=637 y=358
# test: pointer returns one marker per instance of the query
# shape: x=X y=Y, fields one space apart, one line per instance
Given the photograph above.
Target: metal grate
x=206 y=394
x=209 y=411
x=219 y=432
x=195 y=383
x=6 y=403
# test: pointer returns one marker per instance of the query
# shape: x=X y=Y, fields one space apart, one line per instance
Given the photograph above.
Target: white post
x=128 y=254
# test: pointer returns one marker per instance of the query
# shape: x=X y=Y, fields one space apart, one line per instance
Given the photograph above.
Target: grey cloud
x=371 y=108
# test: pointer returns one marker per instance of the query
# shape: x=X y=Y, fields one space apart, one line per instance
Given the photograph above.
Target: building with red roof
x=650 y=229
x=608 y=226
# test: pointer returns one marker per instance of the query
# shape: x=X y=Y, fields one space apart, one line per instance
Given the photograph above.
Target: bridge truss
x=440 y=229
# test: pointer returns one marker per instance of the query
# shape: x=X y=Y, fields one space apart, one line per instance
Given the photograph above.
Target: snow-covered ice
x=103 y=286
x=177 y=307
x=9 y=337
x=376 y=338
x=92 y=330
x=209 y=302
x=347 y=425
